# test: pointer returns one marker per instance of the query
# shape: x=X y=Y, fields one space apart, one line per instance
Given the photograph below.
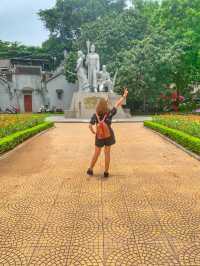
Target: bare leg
x=95 y=157
x=107 y=158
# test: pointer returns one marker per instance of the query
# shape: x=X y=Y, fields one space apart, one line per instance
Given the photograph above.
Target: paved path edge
x=6 y=154
x=192 y=154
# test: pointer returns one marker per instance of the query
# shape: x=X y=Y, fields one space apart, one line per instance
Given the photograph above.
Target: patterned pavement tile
x=15 y=256
x=157 y=254
x=178 y=228
x=117 y=229
x=81 y=256
x=146 y=227
x=65 y=204
x=127 y=255
x=49 y=256
x=87 y=229
x=146 y=213
x=89 y=202
x=188 y=252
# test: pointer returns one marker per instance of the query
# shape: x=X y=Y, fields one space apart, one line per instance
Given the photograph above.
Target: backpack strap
x=98 y=119
x=104 y=118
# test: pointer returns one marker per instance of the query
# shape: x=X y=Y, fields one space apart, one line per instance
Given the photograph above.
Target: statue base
x=84 y=103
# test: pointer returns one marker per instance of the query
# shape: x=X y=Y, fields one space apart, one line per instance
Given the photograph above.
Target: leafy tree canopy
x=64 y=21
x=152 y=44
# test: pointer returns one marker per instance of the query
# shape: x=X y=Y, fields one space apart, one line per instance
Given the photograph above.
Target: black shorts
x=104 y=142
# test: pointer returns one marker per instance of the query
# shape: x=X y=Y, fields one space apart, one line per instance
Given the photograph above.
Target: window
x=59 y=93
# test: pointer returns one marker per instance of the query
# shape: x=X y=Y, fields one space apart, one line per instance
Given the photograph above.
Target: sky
x=19 y=21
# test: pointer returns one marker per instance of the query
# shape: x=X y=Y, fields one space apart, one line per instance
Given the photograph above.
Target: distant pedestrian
x=104 y=134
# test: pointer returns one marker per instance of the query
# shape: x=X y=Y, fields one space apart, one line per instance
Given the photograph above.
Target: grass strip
x=184 y=139
x=11 y=141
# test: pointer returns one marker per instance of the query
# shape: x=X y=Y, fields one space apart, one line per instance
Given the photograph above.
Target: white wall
x=4 y=96
x=60 y=82
x=30 y=82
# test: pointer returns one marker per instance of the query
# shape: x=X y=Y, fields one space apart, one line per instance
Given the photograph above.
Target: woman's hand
x=91 y=129
x=121 y=100
x=125 y=93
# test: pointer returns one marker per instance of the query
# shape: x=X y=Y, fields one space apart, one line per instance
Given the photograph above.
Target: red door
x=28 y=103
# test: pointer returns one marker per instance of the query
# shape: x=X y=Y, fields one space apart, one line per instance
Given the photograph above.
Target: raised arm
x=120 y=101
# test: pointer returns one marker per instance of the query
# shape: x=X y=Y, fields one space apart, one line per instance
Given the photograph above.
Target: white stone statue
x=105 y=81
x=93 y=63
x=81 y=73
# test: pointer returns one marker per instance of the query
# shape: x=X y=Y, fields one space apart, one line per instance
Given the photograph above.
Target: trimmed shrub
x=187 y=141
x=11 y=123
x=11 y=141
x=190 y=124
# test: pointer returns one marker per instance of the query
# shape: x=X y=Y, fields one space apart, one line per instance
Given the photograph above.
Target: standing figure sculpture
x=81 y=73
x=93 y=63
x=106 y=83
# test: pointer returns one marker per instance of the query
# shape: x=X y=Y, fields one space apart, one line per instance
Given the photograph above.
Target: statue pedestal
x=84 y=103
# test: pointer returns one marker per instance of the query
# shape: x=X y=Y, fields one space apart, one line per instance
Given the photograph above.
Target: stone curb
x=87 y=120
x=192 y=154
x=8 y=153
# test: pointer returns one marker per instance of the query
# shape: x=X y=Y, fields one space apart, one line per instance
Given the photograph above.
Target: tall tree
x=10 y=50
x=145 y=69
x=181 y=18
x=111 y=34
x=65 y=20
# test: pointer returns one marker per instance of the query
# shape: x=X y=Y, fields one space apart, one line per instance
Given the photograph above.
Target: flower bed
x=184 y=129
x=189 y=124
x=14 y=129
x=10 y=124
x=9 y=142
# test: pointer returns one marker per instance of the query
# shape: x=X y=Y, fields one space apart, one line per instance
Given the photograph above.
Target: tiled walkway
x=146 y=213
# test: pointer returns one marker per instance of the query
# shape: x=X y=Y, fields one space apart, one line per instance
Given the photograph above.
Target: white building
x=25 y=84
x=60 y=92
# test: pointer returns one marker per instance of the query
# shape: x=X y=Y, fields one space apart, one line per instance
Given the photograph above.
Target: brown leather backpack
x=102 y=129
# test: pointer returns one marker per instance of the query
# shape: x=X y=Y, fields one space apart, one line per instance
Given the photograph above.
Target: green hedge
x=20 y=122
x=188 y=141
x=183 y=123
x=9 y=142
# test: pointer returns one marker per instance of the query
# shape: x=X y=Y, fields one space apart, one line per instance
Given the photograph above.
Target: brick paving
x=146 y=213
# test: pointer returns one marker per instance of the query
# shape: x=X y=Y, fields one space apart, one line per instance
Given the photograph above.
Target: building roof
x=4 y=63
x=29 y=60
x=55 y=76
x=44 y=63
x=3 y=81
x=28 y=70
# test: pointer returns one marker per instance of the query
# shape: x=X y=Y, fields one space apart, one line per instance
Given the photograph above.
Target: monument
x=106 y=84
x=93 y=64
x=93 y=84
x=81 y=73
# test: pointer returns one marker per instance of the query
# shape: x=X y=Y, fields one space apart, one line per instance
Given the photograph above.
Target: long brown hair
x=102 y=107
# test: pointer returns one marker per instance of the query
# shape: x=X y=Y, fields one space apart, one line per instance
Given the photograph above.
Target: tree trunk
x=144 y=103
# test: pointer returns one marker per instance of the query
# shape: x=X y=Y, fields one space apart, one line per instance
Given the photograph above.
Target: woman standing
x=104 y=134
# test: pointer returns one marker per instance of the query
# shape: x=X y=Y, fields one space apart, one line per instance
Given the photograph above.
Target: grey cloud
x=19 y=21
